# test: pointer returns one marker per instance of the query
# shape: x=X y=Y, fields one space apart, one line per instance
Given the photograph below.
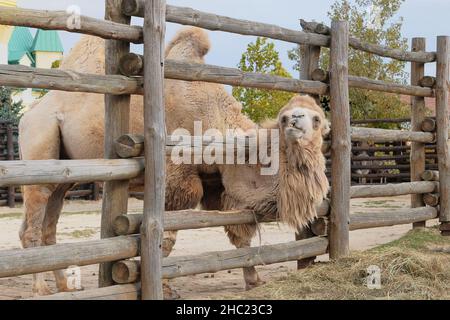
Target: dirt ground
x=80 y=221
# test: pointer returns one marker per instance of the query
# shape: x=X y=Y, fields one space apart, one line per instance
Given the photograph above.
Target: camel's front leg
x=35 y=202
x=241 y=236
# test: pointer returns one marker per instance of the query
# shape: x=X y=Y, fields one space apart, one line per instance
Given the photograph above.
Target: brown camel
x=71 y=126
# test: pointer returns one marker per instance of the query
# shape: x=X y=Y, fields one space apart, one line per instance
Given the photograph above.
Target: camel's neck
x=302 y=183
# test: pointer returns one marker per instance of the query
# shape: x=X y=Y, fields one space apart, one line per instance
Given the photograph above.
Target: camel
x=71 y=126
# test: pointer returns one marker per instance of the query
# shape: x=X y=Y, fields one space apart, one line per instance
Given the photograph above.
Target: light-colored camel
x=71 y=126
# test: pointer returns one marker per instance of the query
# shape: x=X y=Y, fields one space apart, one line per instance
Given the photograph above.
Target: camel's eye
x=284 y=119
x=316 y=122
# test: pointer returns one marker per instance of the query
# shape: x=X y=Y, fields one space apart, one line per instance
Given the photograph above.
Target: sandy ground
x=80 y=221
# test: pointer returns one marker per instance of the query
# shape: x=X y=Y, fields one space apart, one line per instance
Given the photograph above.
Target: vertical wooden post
x=117 y=121
x=155 y=143
x=309 y=61
x=10 y=155
x=418 y=115
x=442 y=122
x=341 y=141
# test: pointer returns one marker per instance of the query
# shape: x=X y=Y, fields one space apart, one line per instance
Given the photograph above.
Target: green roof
x=47 y=40
x=20 y=44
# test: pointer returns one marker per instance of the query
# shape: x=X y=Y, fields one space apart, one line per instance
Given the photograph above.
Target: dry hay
x=409 y=270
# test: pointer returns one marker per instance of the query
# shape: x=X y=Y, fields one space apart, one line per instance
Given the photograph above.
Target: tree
x=372 y=21
x=258 y=104
x=9 y=110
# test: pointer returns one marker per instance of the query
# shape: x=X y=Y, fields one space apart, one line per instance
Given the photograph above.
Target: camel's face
x=301 y=125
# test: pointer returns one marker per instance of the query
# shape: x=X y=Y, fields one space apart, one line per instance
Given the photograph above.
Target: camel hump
x=190 y=43
x=87 y=56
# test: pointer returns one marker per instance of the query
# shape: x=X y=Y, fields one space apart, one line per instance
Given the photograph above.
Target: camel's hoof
x=169 y=293
x=42 y=291
x=252 y=285
x=66 y=289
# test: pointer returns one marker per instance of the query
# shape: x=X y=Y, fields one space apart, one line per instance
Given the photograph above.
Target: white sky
x=425 y=18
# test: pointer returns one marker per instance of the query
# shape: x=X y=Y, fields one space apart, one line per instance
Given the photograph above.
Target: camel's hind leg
x=35 y=201
x=241 y=237
x=52 y=213
x=184 y=191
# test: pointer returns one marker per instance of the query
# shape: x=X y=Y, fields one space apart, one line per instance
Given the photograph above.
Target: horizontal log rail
x=41 y=259
x=188 y=16
x=384 y=135
x=56 y=79
x=130 y=292
x=398 y=189
x=130 y=145
x=197 y=219
x=67 y=171
x=132 y=65
x=174 y=267
x=58 y=20
x=379 y=219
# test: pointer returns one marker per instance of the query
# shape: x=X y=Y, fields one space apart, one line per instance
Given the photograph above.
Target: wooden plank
x=442 y=121
x=198 y=219
x=58 y=20
x=117 y=122
x=188 y=16
x=55 y=79
x=41 y=259
x=384 y=135
x=430 y=175
x=174 y=267
x=378 y=219
x=155 y=159
x=16 y=173
x=418 y=116
x=341 y=141
x=388 y=190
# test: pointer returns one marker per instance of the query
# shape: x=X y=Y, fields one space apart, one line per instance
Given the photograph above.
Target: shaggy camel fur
x=71 y=126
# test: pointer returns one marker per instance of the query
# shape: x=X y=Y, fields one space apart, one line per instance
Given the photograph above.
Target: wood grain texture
x=442 y=121
x=341 y=141
x=119 y=292
x=199 y=219
x=117 y=122
x=391 y=190
x=55 y=79
x=155 y=141
x=385 y=135
x=418 y=116
x=58 y=20
x=188 y=16
x=41 y=259
x=67 y=171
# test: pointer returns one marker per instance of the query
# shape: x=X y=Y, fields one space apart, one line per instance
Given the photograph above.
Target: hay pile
x=409 y=270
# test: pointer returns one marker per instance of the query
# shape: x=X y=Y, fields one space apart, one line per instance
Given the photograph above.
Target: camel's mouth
x=295 y=133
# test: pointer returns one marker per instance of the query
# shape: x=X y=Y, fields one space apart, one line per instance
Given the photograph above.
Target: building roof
x=19 y=45
x=48 y=41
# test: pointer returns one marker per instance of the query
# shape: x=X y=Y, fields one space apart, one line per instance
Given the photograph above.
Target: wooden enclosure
x=130 y=236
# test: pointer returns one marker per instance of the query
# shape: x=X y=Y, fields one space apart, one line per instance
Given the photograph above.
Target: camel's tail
x=190 y=43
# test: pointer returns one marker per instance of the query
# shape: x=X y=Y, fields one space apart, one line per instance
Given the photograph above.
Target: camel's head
x=303 y=122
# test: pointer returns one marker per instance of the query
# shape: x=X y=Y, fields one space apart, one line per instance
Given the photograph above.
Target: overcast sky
x=425 y=18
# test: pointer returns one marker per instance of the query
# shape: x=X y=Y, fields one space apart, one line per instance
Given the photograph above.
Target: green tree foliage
x=258 y=104
x=372 y=21
x=9 y=110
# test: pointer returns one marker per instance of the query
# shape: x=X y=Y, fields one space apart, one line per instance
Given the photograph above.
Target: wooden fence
x=127 y=279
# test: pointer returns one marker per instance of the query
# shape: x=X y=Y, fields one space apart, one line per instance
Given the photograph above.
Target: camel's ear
x=326 y=128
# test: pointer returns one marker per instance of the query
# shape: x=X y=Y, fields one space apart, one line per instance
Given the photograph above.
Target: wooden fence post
x=117 y=119
x=418 y=115
x=309 y=61
x=442 y=122
x=155 y=155
x=341 y=141
x=10 y=155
